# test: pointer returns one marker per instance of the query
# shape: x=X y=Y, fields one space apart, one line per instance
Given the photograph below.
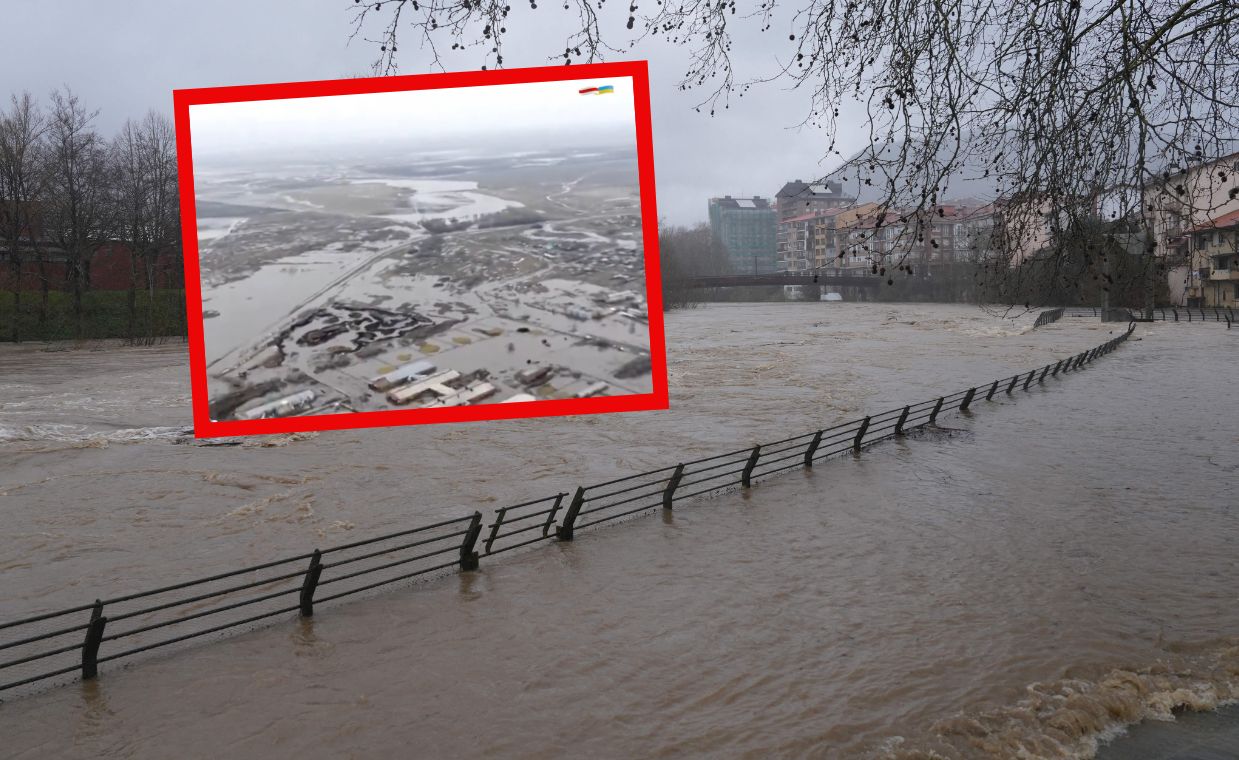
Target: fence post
x=564 y=532
x=310 y=583
x=494 y=529
x=902 y=418
x=933 y=416
x=809 y=452
x=990 y=396
x=669 y=493
x=1028 y=382
x=860 y=434
x=1176 y=313
x=1044 y=372
x=1057 y=367
x=1014 y=380
x=550 y=516
x=468 y=557
x=963 y=405
x=94 y=637
x=747 y=475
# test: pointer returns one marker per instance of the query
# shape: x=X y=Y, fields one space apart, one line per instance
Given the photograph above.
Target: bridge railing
x=52 y=645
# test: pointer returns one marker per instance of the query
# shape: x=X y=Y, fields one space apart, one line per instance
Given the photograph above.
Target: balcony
x=1223 y=274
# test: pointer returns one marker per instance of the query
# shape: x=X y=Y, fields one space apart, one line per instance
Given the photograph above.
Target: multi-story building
x=954 y=232
x=813 y=241
x=1186 y=205
x=798 y=198
x=746 y=227
x=1215 y=262
x=795 y=243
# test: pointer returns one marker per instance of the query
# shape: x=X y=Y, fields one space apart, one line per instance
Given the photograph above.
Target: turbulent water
x=1024 y=582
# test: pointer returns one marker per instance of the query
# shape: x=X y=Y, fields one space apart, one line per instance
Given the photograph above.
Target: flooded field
x=511 y=276
x=1030 y=579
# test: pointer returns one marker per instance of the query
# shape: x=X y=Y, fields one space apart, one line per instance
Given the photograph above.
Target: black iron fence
x=53 y=645
x=1048 y=316
x=1224 y=314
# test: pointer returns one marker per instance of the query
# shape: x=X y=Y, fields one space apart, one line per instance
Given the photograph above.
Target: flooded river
x=1059 y=565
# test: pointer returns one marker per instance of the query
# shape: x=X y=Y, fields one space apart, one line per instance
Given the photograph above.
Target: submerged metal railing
x=1048 y=316
x=1164 y=314
x=79 y=639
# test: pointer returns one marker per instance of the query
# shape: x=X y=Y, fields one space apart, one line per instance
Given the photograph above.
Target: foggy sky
x=548 y=112
x=124 y=63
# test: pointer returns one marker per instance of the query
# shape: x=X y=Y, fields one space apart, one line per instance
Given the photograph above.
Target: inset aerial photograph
x=420 y=249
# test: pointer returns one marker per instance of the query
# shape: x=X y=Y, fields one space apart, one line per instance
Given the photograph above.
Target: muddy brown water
x=1029 y=580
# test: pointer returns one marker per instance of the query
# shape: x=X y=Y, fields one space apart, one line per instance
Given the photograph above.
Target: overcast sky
x=124 y=62
x=481 y=114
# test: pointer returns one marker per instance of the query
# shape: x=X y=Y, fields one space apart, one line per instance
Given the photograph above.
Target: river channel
x=1025 y=581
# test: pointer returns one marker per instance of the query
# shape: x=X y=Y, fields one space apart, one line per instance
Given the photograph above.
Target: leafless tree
x=144 y=184
x=22 y=128
x=78 y=212
x=1076 y=110
x=688 y=252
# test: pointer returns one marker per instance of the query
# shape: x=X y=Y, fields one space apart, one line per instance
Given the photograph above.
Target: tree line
x=68 y=192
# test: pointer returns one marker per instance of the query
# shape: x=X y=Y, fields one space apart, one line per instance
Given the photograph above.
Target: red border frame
x=204 y=427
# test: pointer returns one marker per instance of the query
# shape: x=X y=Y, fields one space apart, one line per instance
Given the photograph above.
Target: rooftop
x=1222 y=222
x=810 y=190
x=754 y=202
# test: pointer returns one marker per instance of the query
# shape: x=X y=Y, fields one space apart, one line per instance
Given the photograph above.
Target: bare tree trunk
x=133 y=301
x=43 y=301
x=81 y=204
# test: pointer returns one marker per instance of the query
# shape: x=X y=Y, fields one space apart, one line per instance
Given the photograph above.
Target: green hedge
x=105 y=314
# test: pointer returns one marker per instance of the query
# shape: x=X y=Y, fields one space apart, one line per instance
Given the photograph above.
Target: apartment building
x=1187 y=207
x=798 y=198
x=747 y=228
x=1215 y=258
x=955 y=231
